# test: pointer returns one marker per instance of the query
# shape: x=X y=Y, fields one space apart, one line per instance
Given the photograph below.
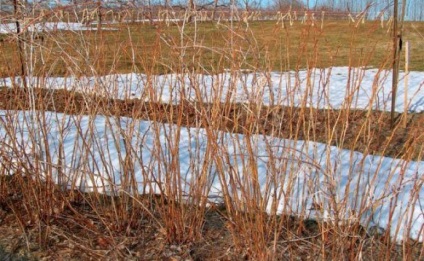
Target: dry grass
x=263 y=45
x=43 y=211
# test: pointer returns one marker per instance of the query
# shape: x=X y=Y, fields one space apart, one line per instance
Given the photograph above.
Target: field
x=210 y=140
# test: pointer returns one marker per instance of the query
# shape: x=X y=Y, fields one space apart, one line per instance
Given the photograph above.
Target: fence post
x=395 y=69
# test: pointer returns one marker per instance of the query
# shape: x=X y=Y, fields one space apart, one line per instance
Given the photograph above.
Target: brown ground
x=364 y=131
x=79 y=226
x=82 y=226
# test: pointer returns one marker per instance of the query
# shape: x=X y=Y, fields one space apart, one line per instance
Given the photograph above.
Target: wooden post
x=99 y=16
x=18 y=16
x=395 y=68
x=406 y=81
x=397 y=44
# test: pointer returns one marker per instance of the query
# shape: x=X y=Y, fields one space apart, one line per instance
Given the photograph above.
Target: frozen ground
x=338 y=87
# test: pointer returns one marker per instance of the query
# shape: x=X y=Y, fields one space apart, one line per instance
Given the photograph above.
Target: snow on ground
x=7 y=28
x=378 y=191
x=338 y=87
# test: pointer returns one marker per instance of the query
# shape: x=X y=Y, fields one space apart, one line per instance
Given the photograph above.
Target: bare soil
x=369 y=132
x=83 y=226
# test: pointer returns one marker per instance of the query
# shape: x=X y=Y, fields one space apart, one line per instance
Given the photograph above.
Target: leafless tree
x=288 y=4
